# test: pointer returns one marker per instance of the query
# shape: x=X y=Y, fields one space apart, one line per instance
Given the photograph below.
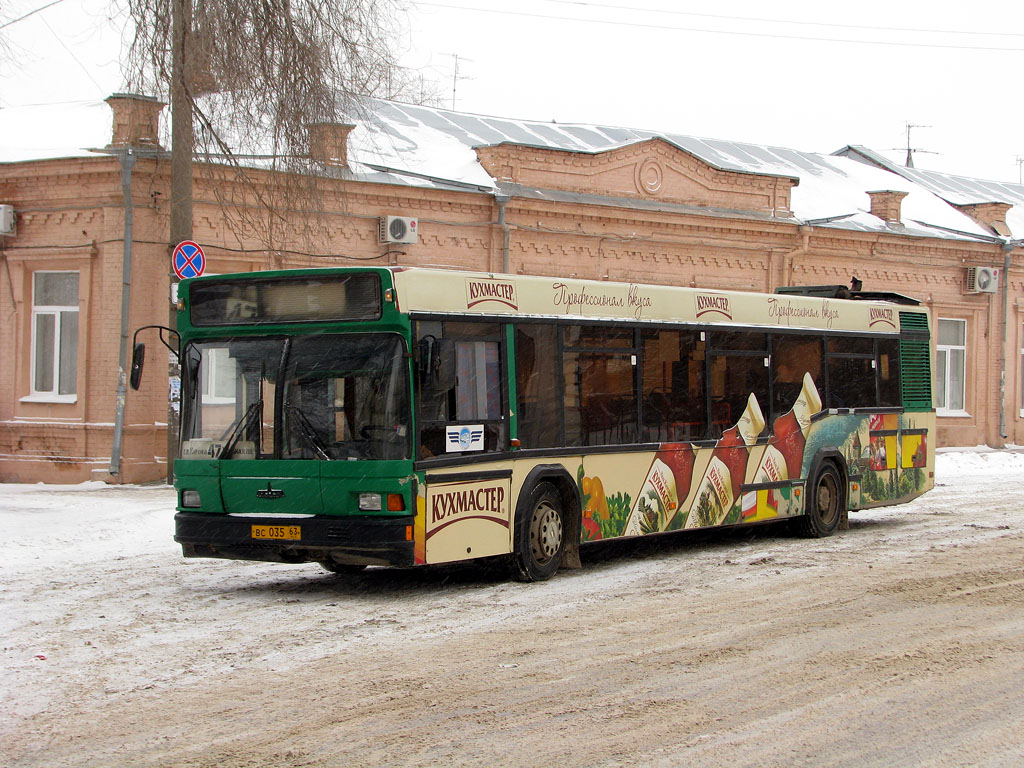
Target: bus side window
x=477 y=381
x=459 y=382
x=599 y=390
x=599 y=385
x=673 y=386
x=540 y=411
x=792 y=357
x=851 y=372
x=737 y=370
x=889 y=391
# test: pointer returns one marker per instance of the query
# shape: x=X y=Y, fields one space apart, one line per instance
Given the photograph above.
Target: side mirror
x=437 y=363
x=427 y=346
x=138 y=358
x=446 y=365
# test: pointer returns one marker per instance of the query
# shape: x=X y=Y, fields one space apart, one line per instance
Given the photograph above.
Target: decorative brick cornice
x=649 y=170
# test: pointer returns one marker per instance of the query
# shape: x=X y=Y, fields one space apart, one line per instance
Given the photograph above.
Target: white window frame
x=944 y=350
x=215 y=370
x=58 y=312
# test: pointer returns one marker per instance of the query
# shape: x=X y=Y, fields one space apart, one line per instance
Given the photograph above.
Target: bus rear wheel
x=825 y=503
x=540 y=536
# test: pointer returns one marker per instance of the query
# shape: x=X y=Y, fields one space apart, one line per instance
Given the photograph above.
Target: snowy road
x=898 y=642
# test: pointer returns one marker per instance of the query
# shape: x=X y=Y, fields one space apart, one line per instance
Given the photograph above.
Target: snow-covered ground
x=97 y=606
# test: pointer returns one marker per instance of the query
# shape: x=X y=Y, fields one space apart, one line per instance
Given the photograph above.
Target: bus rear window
x=286 y=300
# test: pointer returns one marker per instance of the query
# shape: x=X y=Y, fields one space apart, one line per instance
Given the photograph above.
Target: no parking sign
x=188 y=260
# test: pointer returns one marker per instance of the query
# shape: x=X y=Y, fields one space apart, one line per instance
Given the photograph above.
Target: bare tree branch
x=259 y=73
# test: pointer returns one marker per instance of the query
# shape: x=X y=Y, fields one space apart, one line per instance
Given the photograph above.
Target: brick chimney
x=328 y=143
x=136 y=120
x=885 y=204
x=991 y=215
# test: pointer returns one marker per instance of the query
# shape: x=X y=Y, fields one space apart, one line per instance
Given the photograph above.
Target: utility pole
x=181 y=198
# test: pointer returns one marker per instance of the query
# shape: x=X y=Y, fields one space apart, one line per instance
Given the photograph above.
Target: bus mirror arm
x=139 y=351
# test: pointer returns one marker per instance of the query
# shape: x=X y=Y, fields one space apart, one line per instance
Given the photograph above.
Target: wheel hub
x=545 y=533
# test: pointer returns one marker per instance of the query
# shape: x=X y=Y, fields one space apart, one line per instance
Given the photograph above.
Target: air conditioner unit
x=7 y=220
x=398 y=229
x=981 y=280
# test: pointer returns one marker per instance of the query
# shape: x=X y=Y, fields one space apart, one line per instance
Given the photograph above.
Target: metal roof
x=958 y=190
x=831 y=190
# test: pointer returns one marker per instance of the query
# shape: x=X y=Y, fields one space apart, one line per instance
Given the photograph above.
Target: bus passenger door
x=468 y=518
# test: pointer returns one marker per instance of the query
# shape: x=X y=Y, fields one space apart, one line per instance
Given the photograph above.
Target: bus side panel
x=630 y=494
x=461 y=516
x=890 y=458
x=464 y=519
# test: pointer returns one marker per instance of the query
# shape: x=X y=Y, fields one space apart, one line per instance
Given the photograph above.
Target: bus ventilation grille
x=915 y=361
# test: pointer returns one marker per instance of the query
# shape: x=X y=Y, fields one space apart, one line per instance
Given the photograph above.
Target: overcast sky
x=808 y=75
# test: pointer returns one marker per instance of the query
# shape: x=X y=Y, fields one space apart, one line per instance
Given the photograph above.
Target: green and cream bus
x=407 y=416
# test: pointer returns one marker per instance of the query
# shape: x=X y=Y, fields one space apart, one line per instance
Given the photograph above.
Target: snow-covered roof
x=832 y=191
x=428 y=147
x=956 y=190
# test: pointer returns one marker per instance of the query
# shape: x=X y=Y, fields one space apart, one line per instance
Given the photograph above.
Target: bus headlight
x=190 y=498
x=369 y=502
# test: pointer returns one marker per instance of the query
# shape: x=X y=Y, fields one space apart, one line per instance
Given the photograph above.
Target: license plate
x=278 y=532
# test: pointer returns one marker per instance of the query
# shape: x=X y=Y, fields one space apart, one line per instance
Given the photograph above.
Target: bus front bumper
x=363 y=540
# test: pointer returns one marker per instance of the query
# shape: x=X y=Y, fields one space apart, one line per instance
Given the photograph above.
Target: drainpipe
x=1007 y=250
x=506 y=264
x=127 y=163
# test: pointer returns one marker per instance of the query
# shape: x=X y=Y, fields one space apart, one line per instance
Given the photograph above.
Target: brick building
x=489 y=194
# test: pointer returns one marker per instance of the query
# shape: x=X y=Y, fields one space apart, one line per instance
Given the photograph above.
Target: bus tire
x=540 y=535
x=342 y=568
x=825 y=502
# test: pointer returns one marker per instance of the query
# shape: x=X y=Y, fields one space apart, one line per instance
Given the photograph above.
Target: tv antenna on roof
x=1020 y=163
x=455 y=75
x=911 y=150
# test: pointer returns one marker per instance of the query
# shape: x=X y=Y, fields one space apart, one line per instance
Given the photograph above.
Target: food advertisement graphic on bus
x=689 y=486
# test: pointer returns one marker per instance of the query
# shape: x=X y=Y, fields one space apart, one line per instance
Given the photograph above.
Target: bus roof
x=475 y=293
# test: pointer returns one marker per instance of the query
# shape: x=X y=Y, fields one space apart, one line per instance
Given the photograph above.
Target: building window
x=55 y=335
x=1022 y=375
x=950 y=370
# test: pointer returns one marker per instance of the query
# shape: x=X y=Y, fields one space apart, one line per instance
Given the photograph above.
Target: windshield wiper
x=307 y=431
x=253 y=411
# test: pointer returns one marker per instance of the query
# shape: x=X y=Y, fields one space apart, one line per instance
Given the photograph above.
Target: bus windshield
x=324 y=397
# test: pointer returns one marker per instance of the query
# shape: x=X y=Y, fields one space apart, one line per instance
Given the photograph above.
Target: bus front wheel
x=349 y=569
x=540 y=536
x=824 y=503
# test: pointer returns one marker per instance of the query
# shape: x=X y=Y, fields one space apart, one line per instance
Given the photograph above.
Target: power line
x=72 y=54
x=620 y=23
x=872 y=27
x=30 y=13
